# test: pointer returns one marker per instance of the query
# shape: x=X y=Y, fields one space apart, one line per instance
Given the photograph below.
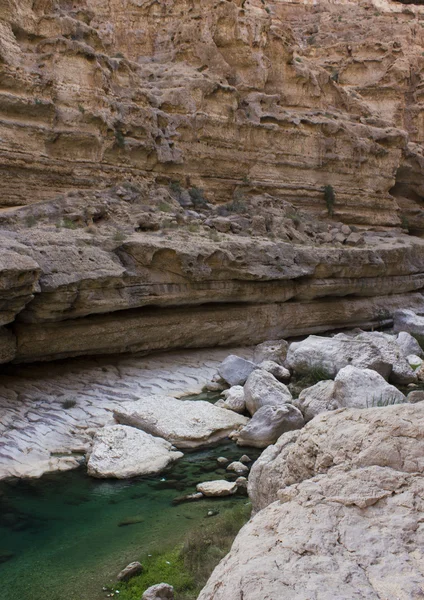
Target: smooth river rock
x=160 y=591
x=122 y=452
x=184 y=423
x=234 y=399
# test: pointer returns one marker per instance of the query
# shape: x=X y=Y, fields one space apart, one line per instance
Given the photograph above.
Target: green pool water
x=66 y=536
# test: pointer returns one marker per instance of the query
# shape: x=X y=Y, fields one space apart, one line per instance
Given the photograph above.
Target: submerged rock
x=235 y=370
x=184 y=423
x=267 y=424
x=263 y=389
x=120 y=451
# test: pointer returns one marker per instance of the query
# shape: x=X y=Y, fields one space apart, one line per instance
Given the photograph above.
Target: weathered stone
x=334 y=353
x=234 y=399
x=408 y=344
x=352 y=388
x=416 y=396
x=131 y=570
x=279 y=372
x=263 y=389
x=184 y=423
x=275 y=350
x=345 y=535
x=235 y=370
x=221 y=460
x=122 y=452
x=160 y=591
x=218 y=488
x=268 y=424
x=409 y=321
x=414 y=361
x=392 y=436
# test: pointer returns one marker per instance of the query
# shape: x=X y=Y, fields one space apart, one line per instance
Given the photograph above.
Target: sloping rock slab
x=184 y=423
x=350 y=536
x=120 y=451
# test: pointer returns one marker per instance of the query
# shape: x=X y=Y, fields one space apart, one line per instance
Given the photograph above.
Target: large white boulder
x=331 y=354
x=263 y=389
x=366 y=350
x=122 y=452
x=184 y=423
x=352 y=388
x=354 y=535
x=392 y=436
x=235 y=370
x=267 y=424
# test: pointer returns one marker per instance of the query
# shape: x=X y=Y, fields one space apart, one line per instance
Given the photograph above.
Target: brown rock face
x=183 y=173
x=287 y=97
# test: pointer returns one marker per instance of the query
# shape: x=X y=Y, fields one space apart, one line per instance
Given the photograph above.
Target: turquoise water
x=66 y=536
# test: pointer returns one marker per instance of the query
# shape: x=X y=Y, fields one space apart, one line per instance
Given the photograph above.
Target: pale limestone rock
x=122 y=452
x=392 y=353
x=184 y=423
x=217 y=488
x=238 y=467
x=235 y=370
x=279 y=372
x=160 y=591
x=345 y=535
x=334 y=353
x=392 y=436
x=317 y=399
x=414 y=361
x=234 y=399
x=268 y=424
x=409 y=321
x=263 y=389
x=275 y=350
x=408 y=344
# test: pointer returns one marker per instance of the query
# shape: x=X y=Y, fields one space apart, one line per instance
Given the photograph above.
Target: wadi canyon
x=183 y=180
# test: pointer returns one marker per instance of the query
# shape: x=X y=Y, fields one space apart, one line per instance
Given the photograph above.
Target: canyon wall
x=186 y=173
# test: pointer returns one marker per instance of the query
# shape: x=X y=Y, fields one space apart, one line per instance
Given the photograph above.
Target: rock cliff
x=209 y=159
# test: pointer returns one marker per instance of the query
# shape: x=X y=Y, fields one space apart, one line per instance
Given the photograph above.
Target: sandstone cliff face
x=284 y=97
x=117 y=118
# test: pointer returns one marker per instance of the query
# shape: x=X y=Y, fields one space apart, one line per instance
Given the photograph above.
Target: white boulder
x=235 y=370
x=263 y=389
x=184 y=423
x=268 y=424
x=217 y=488
x=122 y=452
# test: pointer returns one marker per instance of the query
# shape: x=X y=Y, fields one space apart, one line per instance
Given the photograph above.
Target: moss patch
x=187 y=567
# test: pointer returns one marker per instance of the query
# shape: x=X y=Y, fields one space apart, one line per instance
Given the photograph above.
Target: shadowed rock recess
x=186 y=174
